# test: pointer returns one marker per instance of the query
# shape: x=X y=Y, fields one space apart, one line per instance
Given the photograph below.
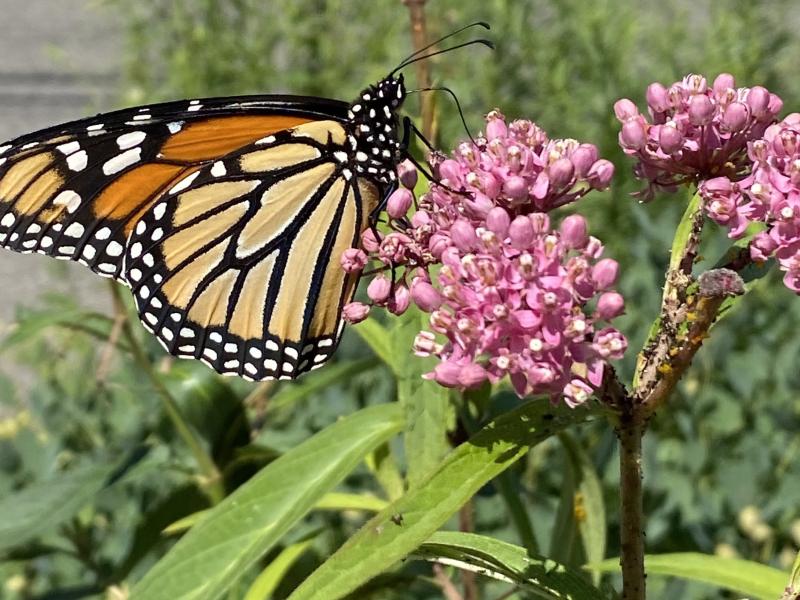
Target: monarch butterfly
x=226 y=217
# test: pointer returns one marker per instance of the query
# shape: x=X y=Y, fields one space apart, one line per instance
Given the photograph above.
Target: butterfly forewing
x=238 y=264
x=76 y=191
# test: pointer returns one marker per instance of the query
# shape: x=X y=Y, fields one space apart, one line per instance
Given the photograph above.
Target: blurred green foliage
x=726 y=442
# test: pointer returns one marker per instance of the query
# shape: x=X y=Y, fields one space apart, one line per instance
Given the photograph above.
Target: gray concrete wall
x=59 y=60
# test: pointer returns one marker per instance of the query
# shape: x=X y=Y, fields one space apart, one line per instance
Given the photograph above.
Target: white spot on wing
x=103 y=233
x=8 y=220
x=114 y=248
x=69 y=199
x=122 y=160
x=34 y=228
x=255 y=352
x=89 y=251
x=184 y=183
x=215 y=337
x=159 y=210
x=218 y=170
x=74 y=230
x=69 y=147
x=131 y=139
x=136 y=250
x=135 y=274
x=175 y=126
x=78 y=161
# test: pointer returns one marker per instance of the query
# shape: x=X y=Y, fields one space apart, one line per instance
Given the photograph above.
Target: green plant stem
x=211 y=478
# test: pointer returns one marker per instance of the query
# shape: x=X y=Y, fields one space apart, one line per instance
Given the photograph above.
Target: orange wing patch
x=217 y=137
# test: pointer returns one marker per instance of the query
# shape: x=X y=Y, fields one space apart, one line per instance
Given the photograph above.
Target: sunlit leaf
x=742 y=576
x=506 y=562
x=408 y=522
x=230 y=538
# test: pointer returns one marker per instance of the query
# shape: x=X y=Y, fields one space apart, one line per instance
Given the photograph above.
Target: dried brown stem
x=467 y=525
x=630 y=434
x=419 y=37
x=448 y=588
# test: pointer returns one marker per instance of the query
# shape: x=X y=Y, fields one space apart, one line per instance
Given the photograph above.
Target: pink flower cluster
x=696 y=132
x=512 y=296
x=770 y=194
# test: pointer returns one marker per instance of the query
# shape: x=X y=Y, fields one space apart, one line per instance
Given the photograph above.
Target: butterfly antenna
x=483 y=24
x=484 y=42
x=455 y=99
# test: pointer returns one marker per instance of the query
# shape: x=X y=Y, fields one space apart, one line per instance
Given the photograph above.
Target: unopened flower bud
x=775 y=104
x=583 y=158
x=369 y=241
x=520 y=231
x=399 y=302
x=669 y=138
x=399 y=202
x=701 y=110
x=633 y=135
x=355 y=312
x=353 y=259
x=657 y=98
x=515 y=187
x=561 y=172
x=379 y=289
x=447 y=374
x=425 y=296
x=600 y=174
x=758 y=100
x=472 y=375
x=498 y=221
x=463 y=235
x=604 y=273
x=735 y=116
x=450 y=170
x=722 y=84
x=574 y=231
x=625 y=109
x=420 y=219
x=610 y=305
x=407 y=174
x=478 y=204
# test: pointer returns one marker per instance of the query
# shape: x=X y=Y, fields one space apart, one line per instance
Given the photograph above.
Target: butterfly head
x=374 y=125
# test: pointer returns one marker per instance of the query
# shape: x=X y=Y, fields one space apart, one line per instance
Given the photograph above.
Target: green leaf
x=269 y=579
x=46 y=504
x=317 y=381
x=506 y=562
x=405 y=524
x=331 y=501
x=340 y=501
x=383 y=466
x=377 y=337
x=429 y=413
x=588 y=508
x=207 y=561
x=741 y=576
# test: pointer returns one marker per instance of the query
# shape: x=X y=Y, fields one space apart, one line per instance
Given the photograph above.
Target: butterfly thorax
x=373 y=137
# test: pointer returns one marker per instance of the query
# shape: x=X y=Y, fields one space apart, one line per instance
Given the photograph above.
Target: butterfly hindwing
x=76 y=191
x=238 y=264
